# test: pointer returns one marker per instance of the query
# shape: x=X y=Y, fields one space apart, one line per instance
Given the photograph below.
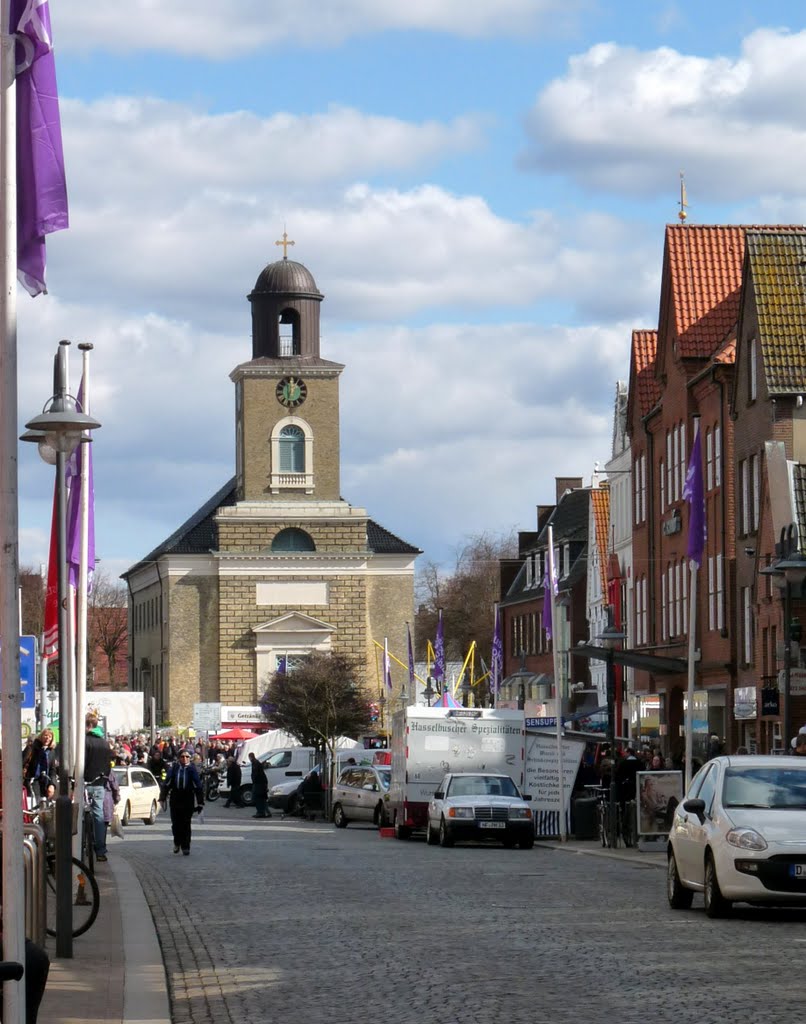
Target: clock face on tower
x=291 y=392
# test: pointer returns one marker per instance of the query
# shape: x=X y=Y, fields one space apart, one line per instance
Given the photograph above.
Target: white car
x=139 y=794
x=480 y=805
x=740 y=835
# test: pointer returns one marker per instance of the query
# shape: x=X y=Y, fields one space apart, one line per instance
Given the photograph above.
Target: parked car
x=739 y=835
x=291 y=763
x=480 y=805
x=139 y=794
x=359 y=794
x=288 y=796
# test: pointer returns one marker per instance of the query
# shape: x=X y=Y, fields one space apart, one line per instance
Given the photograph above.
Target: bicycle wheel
x=88 y=840
x=85 y=898
x=629 y=829
x=604 y=823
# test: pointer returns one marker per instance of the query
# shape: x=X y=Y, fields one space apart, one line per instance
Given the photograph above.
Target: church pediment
x=294 y=622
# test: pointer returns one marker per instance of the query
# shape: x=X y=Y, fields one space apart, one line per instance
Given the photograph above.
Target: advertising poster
x=658 y=793
x=542 y=779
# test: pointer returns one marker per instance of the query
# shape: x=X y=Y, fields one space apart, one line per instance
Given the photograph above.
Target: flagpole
x=692 y=657
x=555 y=657
x=694 y=493
x=82 y=592
x=10 y=730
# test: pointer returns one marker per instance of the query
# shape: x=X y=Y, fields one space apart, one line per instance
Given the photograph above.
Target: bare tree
x=107 y=627
x=32 y=586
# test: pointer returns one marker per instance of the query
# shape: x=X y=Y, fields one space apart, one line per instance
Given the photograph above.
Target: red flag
x=50 y=647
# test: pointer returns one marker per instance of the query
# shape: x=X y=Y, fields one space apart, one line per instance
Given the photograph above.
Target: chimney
x=543 y=512
x=566 y=483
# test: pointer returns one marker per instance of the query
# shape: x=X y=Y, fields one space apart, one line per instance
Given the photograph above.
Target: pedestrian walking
x=260 y=789
x=98 y=759
x=183 y=792
x=234 y=779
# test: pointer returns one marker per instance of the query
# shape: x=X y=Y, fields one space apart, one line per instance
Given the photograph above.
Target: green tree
x=318 y=701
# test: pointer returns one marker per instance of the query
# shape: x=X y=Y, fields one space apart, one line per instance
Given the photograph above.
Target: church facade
x=276 y=564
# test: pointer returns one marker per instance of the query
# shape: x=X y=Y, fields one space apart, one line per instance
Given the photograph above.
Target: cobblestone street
x=297 y=922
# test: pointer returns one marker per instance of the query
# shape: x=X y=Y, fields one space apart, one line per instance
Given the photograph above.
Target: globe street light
x=429 y=692
x=60 y=429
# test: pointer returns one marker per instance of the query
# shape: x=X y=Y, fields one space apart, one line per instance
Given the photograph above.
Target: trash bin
x=586 y=821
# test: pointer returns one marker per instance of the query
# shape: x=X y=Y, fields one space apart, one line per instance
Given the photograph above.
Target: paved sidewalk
x=116 y=975
x=646 y=855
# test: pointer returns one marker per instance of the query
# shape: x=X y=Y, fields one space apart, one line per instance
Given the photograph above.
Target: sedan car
x=739 y=835
x=139 y=794
x=360 y=794
x=480 y=805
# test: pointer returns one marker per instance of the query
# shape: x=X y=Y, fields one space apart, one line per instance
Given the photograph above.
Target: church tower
x=287 y=396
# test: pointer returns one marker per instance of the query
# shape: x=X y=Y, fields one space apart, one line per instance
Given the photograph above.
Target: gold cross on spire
x=683 y=204
x=285 y=243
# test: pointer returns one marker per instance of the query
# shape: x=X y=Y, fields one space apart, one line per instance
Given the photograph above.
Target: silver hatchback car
x=359 y=795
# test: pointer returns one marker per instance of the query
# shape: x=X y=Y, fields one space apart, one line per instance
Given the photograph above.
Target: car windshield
x=385 y=777
x=482 y=785
x=767 y=788
x=120 y=775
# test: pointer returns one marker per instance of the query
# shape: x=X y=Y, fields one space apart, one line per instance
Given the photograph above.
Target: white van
x=281 y=766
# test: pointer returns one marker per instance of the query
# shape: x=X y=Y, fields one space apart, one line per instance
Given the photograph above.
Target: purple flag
x=439 y=651
x=497 y=660
x=72 y=474
x=695 y=496
x=411 y=661
x=547 y=622
x=41 y=186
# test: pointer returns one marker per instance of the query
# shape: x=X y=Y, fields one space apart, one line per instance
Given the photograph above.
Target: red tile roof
x=600 y=506
x=644 y=350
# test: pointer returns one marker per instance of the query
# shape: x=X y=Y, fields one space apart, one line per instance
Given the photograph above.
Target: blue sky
x=479 y=188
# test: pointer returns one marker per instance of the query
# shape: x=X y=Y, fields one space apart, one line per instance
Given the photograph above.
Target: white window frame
x=663 y=606
x=669 y=467
x=752 y=386
x=279 y=480
x=755 y=480
x=662 y=479
x=682 y=464
x=717 y=456
x=744 y=496
x=711 y=593
x=747 y=630
x=720 y=592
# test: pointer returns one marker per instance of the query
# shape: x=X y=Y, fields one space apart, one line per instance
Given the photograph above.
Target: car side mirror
x=439 y=795
x=695 y=806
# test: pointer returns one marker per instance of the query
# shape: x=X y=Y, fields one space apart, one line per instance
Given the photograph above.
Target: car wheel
x=339 y=817
x=715 y=903
x=508 y=844
x=679 y=897
x=377 y=818
x=247 y=799
x=292 y=804
x=527 y=843
x=431 y=837
x=127 y=814
x=445 y=838
x=153 y=815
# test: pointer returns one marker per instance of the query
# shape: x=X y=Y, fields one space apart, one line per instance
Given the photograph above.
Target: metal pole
x=64 y=804
x=555 y=660
x=692 y=660
x=611 y=741
x=153 y=712
x=786 y=724
x=10 y=731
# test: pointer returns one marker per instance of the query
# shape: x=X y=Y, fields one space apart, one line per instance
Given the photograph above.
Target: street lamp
x=403 y=696
x=465 y=689
x=381 y=706
x=58 y=430
x=429 y=692
x=611 y=638
x=787 y=573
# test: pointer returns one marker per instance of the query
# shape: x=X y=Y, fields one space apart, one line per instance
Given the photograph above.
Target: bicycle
x=626 y=822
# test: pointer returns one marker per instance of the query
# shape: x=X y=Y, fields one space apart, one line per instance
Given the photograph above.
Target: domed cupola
x=285 y=310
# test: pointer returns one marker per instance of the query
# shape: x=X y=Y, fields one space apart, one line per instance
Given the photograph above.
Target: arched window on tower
x=289 y=333
x=293 y=539
x=292 y=450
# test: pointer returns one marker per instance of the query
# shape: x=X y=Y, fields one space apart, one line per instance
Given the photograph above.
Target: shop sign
x=744 y=703
x=770 y=701
x=797 y=681
x=673 y=524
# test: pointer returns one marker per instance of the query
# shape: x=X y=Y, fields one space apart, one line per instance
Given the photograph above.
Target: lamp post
x=429 y=692
x=381 y=707
x=59 y=429
x=611 y=638
x=465 y=689
x=788 y=573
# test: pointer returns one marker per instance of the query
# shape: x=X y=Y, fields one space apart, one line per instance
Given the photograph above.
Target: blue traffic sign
x=28 y=671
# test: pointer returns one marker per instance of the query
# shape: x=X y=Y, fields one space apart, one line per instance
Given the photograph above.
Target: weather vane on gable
x=285 y=243
x=683 y=204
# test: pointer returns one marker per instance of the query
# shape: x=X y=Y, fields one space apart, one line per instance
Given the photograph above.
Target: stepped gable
x=777 y=265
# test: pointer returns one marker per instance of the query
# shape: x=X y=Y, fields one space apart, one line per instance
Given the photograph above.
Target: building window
x=711 y=593
x=293 y=539
x=752 y=379
x=669 y=467
x=292 y=456
x=720 y=592
x=747 y=630
x=709 y=459
x=663 y=606
x=662 y=486
x=755 y=484
x=717 y=456
x=744 y=498
x=681 y=468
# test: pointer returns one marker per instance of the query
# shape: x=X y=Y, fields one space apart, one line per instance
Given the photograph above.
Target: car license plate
x=797 y=870
x=492 y=824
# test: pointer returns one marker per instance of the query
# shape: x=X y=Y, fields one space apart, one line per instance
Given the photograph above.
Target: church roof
x=198 y=535
x=286 y=277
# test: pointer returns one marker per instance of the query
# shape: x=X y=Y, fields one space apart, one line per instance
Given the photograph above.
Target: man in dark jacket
x=260 y=789
x=97 y=764
x=234 y=777
x=184 y=792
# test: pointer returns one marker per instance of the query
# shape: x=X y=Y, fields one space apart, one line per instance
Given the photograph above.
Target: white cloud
x=627 y=120
x=217 y=30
